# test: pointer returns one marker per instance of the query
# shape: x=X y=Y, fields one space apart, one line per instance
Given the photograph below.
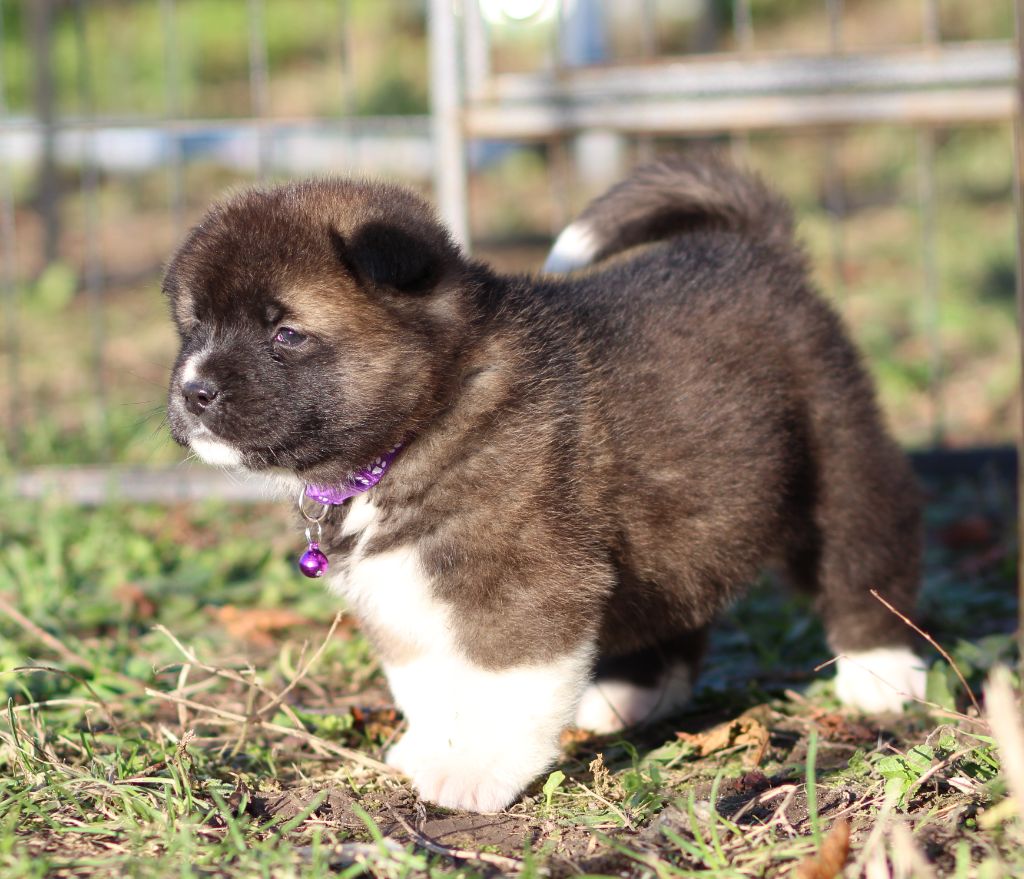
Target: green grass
x=143 y=652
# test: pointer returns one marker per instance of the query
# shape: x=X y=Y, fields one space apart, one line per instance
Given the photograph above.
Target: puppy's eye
x=288 y=337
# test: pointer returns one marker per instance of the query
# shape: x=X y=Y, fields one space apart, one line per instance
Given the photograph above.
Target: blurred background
x=888 y=123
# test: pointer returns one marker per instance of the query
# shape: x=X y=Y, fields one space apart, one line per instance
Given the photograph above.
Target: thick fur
x=594 y=465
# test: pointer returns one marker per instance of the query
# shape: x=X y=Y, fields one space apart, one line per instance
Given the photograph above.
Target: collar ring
x=308 y=516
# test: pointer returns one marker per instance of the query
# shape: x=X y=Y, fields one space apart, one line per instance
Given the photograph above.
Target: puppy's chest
x=388 y=590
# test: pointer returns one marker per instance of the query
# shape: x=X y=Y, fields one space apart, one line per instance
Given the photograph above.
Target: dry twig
x=44 y=637
x=330 y=747
x=1003 y=713
x=502 y=862
x=942 y=652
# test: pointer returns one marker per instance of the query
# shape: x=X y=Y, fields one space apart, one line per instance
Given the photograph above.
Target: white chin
x=215 y=451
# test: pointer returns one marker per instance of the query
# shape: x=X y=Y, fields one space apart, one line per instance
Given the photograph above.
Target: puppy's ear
x=386 y=255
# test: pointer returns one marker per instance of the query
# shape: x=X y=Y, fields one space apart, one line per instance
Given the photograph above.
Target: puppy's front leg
x=477 y=737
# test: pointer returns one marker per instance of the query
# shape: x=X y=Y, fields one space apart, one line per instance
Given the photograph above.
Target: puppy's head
x=318 y=325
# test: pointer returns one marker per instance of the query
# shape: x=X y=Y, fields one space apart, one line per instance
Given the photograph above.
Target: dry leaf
x=745 y=730
x=834 y=727
x=572 y=736
x=257 y=624
x=829 y=862
x=602 y=777
x=139 y=605
x=967 y=533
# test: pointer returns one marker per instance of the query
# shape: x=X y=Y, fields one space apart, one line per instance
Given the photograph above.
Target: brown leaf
x=967 y=533
x=834 y=727
x=257 y=624
x=572 y=736
x=376 y=723
x=829 y=862
x=744 y=730
x=139 y=605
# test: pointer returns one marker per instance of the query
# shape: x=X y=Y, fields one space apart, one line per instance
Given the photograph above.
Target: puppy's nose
x=198 y=395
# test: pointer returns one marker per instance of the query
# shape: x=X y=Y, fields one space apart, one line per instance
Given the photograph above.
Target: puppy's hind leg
x=868 y=537
x=641 y=687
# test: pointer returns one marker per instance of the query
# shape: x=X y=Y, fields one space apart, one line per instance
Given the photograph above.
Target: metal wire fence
x=566 y=94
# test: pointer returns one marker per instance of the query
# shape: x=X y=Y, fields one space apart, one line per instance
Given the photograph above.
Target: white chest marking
x=389 y=591
x=476 y=736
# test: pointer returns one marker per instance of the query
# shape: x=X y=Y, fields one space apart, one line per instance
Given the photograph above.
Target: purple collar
x=313 y=562
x=357 y=483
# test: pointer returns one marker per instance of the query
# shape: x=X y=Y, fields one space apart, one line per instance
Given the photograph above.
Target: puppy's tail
x=671 y=197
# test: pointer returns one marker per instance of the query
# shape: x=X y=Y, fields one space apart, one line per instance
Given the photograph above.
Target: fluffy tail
x=671 y=197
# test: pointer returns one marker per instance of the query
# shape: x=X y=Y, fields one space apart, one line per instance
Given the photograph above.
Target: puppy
x=583 y=470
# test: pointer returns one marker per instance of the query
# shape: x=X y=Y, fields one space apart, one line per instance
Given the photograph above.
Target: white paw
x=478 y=736
x=880 y=680
x=611 y=706
x=405 y=755
x=479 y=781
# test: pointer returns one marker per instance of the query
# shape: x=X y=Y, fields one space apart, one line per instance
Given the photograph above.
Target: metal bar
x=92 y=220
x=478 y=49
x=704 y=37
x=835 y=24
x=649 y=29
x=648 y=50
x=741 y=150
x=743 y=25
x=382 y=124
x=9 y=279
x=834 y=195
x=959 y=66
x=740 y=147
x=349 y=100
x=40 y=18
x=555 y=56
x=559 y=172
x=835 y=198
x=666 y=116
x=259 y=99
x=1018 y=189
x=172 y=99
x=930 y=280
x=931 y=23
x=446 y=121
x=91 y=486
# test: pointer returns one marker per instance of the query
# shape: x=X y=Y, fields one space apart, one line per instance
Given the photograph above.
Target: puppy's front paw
x=491 y=732
x=472 y=785
x=880 y=680
x=476 y=780
x=406 y=754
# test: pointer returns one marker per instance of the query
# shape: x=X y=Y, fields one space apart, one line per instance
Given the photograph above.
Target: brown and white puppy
x=593 y=465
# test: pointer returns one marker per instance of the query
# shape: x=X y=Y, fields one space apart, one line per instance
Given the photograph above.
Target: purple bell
x=313 y=563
